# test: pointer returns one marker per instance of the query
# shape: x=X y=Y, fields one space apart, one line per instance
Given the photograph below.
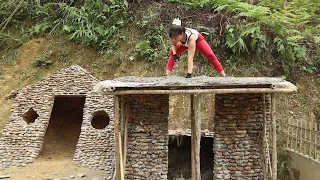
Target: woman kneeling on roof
x=186 y=38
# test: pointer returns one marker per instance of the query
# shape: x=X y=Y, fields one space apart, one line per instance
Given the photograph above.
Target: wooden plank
x=123 y=135
x=116 y=136
x=310 y=138
x=269 y=159
x=121 y=161
x=198 y=116
x=290 y=133
x=305 y=138
x=293 y=137
x=274 y=138
x=315 y=140
x=200 y=91
x=193 y=159
x=122 y=109
x=200 y=81
x=195 y=136
x=302 y=137
x=296 y=134
x=300 y=144
x=264 y=136
x=295 y=126
x=125 y=138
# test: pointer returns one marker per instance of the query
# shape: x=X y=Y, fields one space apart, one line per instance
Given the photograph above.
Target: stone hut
x=60 y=116
x=244 y=140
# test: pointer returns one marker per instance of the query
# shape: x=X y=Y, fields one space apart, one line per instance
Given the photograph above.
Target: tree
x=284 y=4
x=251 y=2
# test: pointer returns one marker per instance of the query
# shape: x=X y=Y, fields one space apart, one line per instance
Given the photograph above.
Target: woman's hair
x=176 y=30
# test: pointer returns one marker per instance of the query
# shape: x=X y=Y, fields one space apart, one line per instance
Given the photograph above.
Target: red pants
x=203 y=47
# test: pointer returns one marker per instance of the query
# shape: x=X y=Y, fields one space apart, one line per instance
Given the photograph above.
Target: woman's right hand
x=176 y=57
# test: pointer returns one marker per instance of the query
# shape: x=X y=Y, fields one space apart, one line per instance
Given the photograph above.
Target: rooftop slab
x=199 y=84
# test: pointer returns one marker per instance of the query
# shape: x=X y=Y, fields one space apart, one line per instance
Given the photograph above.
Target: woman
x=186 y=38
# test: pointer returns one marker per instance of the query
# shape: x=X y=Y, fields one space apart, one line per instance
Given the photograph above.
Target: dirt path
x=45 y=168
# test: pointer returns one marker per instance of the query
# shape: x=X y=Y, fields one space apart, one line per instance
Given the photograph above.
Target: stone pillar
x=147 y=154
x=238 y=136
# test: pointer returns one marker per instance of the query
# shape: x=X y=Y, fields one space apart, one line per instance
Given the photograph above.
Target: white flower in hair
x=177 y=22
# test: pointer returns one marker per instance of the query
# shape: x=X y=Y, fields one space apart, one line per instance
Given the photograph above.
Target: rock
x=72 y=176
x=4 y=176
x=219 y=176
x=81 y=175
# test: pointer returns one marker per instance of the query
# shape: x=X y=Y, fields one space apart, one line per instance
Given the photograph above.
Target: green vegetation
x=43 y=60
x=292 y=36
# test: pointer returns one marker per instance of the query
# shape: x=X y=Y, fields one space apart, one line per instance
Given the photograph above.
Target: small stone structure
x=23 y=135
x=241 y=124
x=136 y=137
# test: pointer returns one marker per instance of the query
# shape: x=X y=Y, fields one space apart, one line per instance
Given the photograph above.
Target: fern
x=89 y=22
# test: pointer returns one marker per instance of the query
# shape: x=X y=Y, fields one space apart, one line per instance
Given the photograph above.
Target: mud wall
x=302 y=167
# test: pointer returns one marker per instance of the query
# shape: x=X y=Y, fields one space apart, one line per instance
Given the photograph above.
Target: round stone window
x=100 y=120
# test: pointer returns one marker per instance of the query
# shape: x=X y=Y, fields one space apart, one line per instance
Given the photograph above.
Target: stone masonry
x=147 y=156
x=21 y=142
x=237 y=131
x=95 y=147
x=238 y=136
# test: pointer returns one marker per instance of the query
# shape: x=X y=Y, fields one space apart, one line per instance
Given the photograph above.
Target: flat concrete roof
x=194 y=85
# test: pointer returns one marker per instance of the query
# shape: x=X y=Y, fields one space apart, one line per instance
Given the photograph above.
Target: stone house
x=60 y=111
x=244 y=140
x=121 y=125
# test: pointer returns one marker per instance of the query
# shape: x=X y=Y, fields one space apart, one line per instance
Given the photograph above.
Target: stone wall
x=95 y=148
x=238 y=136
x=147 y=156
x=21 y=142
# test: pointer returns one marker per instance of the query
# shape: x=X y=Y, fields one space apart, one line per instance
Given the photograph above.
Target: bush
x=43 y=61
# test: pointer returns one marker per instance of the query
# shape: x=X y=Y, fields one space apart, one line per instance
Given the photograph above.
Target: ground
x=54 y=164
x=46 y=168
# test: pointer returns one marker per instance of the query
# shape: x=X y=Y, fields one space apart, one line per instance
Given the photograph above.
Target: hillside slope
x=141 y=48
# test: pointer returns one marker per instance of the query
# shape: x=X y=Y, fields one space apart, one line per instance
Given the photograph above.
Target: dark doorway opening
x=64 y=127
x=180 y=157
